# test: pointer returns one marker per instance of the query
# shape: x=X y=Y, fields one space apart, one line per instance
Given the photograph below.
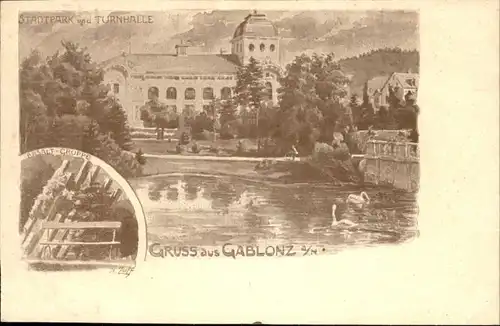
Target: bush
x=241 y=147
x=214 y=149
x=68 y=131
x=204 y=135
x=356 y=143
x=325 y=152
x=336 y=161
x=200 y=123
x=195 y=148
x=173 y=123
x=139 y=156
x=104 y=147
x=229 y=130
x=413 y=137
x=184 y=139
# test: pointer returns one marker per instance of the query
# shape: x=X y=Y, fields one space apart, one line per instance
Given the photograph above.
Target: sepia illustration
x=73 y=214
x=234 y=128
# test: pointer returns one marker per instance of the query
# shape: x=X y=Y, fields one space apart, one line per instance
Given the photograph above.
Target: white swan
x=342 y=222
x=358 y=200
x=335 y=223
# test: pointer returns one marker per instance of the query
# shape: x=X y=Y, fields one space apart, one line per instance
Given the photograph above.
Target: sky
x=346 y=33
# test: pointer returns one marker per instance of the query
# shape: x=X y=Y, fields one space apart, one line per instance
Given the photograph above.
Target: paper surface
x=229 y=195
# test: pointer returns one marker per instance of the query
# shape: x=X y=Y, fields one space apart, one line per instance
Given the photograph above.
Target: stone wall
x=393 y=163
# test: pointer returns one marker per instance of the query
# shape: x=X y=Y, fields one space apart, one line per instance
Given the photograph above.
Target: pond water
x=200 y=210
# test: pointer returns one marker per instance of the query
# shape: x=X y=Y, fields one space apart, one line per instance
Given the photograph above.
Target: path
x=220 y=158
x=229 y=158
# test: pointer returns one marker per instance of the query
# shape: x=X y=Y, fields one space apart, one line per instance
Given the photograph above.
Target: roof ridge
x=175 y=55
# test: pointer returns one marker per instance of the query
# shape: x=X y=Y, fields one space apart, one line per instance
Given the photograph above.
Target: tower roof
x=256 y=24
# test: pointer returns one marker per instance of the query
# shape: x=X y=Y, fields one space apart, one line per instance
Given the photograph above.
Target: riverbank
x=225 y=147
x=194 y=157
x=285 y=171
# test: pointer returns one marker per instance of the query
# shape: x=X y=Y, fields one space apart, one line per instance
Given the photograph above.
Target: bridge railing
x=394 y=163
x=395 y=150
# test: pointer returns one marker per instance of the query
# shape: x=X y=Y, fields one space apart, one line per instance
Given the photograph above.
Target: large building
x=187 y=82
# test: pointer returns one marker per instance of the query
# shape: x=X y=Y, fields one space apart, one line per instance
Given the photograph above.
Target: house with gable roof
x=406 y=84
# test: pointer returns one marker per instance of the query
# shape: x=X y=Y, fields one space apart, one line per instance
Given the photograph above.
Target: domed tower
x=256 y=37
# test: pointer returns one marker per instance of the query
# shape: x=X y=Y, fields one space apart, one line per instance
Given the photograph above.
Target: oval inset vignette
x=86 y=169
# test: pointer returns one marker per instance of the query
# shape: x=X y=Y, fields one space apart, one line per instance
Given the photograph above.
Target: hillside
x=381 y=62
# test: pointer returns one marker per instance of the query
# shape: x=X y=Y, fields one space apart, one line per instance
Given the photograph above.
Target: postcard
x=248 y=162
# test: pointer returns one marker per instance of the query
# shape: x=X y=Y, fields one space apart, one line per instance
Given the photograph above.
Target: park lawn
x=162 y=165
x=164 y=147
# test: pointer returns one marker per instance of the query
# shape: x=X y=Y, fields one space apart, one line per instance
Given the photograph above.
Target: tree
x=227 y=119
x=366 y=111
x=63 y=102
x=256 y=86
x=34 y=122
x=227 y=112
x=115 y=123
x=310 y=101
x=385 y=119
x=250 y=92
x=355 y=109
x=249 y=88
x=201 y=123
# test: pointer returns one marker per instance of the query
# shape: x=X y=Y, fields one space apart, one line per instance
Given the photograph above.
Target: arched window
x=208 y=93
x=153 y=93
x=269 y=90
x=171 y=93
x=272 y=47
x=190 y=94
x=225 y=93
x=262 y=47
x=116 y=88
x=251 y=47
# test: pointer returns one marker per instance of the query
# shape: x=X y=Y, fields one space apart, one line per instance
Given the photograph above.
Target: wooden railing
x=49 y=247
x=50 y=233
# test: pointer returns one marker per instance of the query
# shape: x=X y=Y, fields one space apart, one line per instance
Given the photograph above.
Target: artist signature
x=123 y=270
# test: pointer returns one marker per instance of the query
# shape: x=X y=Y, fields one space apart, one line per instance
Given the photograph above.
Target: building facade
x=189 y=82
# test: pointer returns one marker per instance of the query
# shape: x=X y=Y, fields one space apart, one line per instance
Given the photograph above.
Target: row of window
x=251 y=47
x=262 y=47
x=190 y=93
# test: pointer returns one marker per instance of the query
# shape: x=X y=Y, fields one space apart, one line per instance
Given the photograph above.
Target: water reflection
x=201 y=210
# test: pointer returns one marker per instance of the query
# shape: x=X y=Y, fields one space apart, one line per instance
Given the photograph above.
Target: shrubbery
x=324 y=152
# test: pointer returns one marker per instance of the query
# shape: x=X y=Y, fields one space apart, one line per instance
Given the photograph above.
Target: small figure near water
x=358 y=201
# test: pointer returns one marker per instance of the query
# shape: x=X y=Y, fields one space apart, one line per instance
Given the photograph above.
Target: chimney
x=181 y=49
